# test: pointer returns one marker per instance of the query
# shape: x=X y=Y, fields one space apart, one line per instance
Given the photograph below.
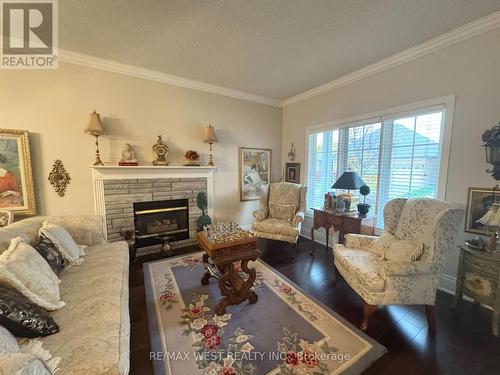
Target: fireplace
x=160 y=221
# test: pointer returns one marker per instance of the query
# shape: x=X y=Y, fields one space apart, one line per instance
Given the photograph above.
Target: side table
x=343 y=222
x=219 y=259
x=479 y=278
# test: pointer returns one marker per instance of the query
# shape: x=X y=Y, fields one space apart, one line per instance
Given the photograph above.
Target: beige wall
x=54 y=107
x=470 y=70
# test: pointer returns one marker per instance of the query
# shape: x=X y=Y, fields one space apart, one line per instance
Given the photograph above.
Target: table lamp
x=210 y=138
x=491 y=220
x=348 y=181
x=94 y=127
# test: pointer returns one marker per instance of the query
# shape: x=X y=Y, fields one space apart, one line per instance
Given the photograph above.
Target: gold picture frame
x=254 y=167
x=17 y=192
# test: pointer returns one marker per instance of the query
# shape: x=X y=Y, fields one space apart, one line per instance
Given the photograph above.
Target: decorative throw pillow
x=48 y=250
x=403 y=251
x=281 y=211
x=22 y=317
x=70 y=251
x=381 y=244
x=8 y=343
x=23 y=364
x=25 y=270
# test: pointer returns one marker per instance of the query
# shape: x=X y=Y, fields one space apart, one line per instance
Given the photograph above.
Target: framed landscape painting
x=254 y=172
x=16 y=180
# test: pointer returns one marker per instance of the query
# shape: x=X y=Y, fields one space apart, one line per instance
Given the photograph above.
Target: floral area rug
x=286 y=332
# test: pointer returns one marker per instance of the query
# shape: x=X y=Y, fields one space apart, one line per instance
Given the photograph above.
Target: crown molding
x=455 y=36
x=76 y=58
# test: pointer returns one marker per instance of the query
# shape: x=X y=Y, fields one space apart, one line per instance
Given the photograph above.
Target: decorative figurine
x=161 y=151
x=291 y=153
x=128 y=156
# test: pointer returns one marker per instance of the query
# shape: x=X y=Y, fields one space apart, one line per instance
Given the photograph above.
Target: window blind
x=322 y=159
x=410 y=159
x=397 y=155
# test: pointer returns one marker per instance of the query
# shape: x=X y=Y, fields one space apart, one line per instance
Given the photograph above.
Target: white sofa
x=94 y=325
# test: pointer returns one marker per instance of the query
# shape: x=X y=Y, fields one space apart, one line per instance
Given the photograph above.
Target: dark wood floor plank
x=463 y=343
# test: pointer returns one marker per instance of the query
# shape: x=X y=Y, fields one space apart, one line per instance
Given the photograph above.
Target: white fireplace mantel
x=101 y=173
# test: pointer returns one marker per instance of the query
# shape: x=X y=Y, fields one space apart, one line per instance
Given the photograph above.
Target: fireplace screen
x=158 y=221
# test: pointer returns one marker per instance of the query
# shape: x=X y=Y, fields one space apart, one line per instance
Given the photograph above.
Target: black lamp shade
x=348 y=181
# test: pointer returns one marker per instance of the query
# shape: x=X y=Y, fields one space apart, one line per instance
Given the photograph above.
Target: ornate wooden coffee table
x=219 y=259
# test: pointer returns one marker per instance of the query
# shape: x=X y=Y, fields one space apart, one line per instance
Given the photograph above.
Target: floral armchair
x=269 y=224
x=430 y=222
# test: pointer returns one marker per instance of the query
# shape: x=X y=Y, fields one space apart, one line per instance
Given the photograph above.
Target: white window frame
x=425 y=106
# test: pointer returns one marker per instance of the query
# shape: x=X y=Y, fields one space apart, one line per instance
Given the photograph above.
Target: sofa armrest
x=409 y=268
x=298 y=218
x=85 y=229
x=359 y=241
x=260 y=214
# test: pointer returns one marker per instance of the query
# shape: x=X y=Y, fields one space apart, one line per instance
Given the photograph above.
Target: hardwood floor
x=463 y=343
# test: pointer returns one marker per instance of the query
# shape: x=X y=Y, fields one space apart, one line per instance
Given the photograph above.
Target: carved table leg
x=208 y=270
x=234 y=288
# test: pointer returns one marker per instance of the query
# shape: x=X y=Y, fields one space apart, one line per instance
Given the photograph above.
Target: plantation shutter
x=322 y=156
x=410 y=157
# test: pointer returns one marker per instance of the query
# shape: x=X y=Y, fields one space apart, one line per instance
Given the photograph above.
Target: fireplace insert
x=161 y=221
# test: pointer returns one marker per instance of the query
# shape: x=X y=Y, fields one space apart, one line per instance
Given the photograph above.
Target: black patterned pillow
x=49 y=251
x=22 y=317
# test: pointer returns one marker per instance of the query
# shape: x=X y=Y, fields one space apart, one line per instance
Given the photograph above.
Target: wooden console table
x=479 y=278
x=219 y=259
x=348 y=222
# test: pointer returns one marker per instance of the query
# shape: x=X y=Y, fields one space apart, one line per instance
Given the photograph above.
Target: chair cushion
x=403 y=251
x=361 y=267
x=276 y=226
x=281 y=211
x=285 y=193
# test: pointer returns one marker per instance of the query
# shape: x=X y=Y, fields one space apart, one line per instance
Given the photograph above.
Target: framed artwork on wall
x=482 y=204
x=16 y=179
x=254 y=171
x=292 y=173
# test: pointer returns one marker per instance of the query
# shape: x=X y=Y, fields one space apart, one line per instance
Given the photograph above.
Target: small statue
x=291 y=153
x=161 y=151
x=128 y=156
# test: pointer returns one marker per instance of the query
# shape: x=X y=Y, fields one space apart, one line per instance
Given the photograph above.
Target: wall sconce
x=491 y=139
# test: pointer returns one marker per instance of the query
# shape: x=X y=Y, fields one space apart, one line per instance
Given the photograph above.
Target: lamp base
x=98 y=161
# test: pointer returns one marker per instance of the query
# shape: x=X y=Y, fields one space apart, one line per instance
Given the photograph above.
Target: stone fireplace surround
x=117 y=188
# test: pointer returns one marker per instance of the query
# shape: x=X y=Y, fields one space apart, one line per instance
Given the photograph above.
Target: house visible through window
x=396 y=156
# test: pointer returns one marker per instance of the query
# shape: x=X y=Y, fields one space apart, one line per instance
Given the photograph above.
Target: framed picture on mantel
x=254 y=171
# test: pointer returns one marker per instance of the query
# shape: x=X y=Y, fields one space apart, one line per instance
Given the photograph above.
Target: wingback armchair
x=281 y=212
x=430 y=222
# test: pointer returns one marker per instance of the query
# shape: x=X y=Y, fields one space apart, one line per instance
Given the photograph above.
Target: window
x=396 y=155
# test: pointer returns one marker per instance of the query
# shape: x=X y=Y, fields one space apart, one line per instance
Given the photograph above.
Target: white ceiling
x=271 y=48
